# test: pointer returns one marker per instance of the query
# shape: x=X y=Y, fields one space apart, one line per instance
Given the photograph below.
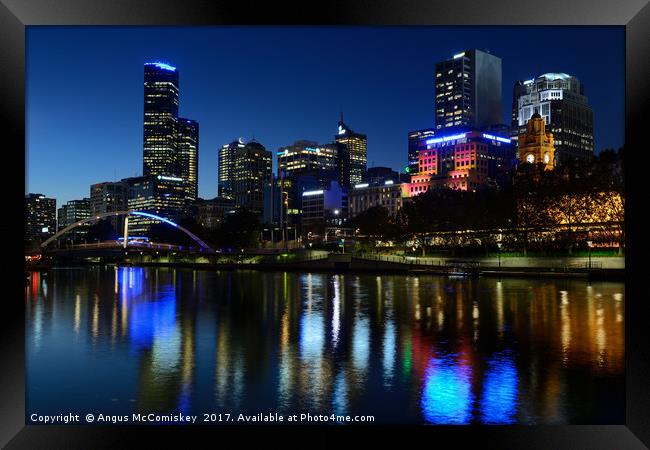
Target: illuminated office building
x=188 y=156
x=355 y=152
x=71 y=212
x=309 y=158
x=416 y=143
x=252 y=173
x=560 y=100
x=227 y=154
x=466 y=160
x=468 y=90
x=160 y=148
x=109 y=197
x=161 y=195
x=388 y=194
x=321 y=208
x=40 y=217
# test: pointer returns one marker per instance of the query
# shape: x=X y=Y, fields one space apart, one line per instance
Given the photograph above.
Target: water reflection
x=416 y=349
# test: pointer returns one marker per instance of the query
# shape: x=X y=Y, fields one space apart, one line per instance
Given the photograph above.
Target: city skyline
x=386 y=123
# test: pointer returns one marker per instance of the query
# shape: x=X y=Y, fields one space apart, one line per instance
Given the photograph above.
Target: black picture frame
x=634 y=15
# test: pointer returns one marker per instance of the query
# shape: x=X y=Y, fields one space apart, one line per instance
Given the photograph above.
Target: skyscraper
x=161 y=195
x=253 y=172
x=309 y=158
x=109 y=197
x=227 y=154
x=559 y=99
x=468 y=90
x=160 y=119
x=71 y=212
x=356 y=147
x=40 y=217
x=188 y=156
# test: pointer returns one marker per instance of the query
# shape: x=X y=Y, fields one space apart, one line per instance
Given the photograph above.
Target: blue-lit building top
x=453 y=153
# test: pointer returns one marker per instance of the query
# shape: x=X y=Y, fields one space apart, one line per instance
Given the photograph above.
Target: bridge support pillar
x=126 y=230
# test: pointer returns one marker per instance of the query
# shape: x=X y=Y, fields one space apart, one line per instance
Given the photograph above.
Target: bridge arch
x=125 y=213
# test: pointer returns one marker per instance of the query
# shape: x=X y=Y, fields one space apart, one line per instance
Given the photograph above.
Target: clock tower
x=536 y=145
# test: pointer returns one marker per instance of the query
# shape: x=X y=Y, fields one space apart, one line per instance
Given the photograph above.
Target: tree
x=102 y=230
x=373 y=222
x=239 y=230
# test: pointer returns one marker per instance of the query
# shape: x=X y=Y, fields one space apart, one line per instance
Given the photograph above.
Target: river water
x=404 y=349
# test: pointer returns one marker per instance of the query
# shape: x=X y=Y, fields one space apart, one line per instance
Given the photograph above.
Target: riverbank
x=566 y=267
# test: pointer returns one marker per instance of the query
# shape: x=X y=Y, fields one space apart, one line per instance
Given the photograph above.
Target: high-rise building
x=416 y=143
x=560 y=100
x=354 y=154
x=188 y=156
x=72 y=212
x=464 y=160
x=252 y=173
x=468 y=90
x=227 y=154
x=40 y=217
x=161 y=93
x=536 y=144
x=161 y=195
x=109 y=197
x=309 y=158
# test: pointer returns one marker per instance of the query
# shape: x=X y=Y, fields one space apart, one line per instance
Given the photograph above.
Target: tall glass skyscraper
x=253 y=173
x=188 y=156
x=227 y=154
x=357 y=147
x=468 y=90
x=160 y=119
x=559 y=98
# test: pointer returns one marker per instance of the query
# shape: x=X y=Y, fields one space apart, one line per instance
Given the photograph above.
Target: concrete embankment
x=604 y=268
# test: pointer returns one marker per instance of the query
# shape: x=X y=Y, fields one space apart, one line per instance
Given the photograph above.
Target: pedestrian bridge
x=126 y=213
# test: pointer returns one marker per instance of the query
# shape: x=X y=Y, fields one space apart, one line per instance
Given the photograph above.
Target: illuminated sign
x=388 y=182
x=341 y=130
x=496 y=138
x=459 y=55
x=162 y=66
x=446 y=138
x=361 y=185
x=310 y=193
x=163 y=177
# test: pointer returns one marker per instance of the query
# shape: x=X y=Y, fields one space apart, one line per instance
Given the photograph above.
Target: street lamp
x=590 y=244
x=499 y=244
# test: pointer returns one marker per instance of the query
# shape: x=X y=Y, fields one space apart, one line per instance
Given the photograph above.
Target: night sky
x=278 y=85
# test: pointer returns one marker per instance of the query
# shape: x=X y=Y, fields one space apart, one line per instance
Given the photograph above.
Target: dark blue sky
x=278 y=84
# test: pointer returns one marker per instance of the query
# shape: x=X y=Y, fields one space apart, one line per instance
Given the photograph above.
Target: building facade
x=161 y=195
x=227 y=154
x=468 y=90
x=72 y=212
x=40 y=217
x=416 y=143
x=467 y=160
x=252 y=173
x=161 y=91
x=536 y=144
x=560 y=100
x=354 y=154
x=324 y=208
x=188 y=156
x=387 y=194
x=109 y=197
x=211 y=213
